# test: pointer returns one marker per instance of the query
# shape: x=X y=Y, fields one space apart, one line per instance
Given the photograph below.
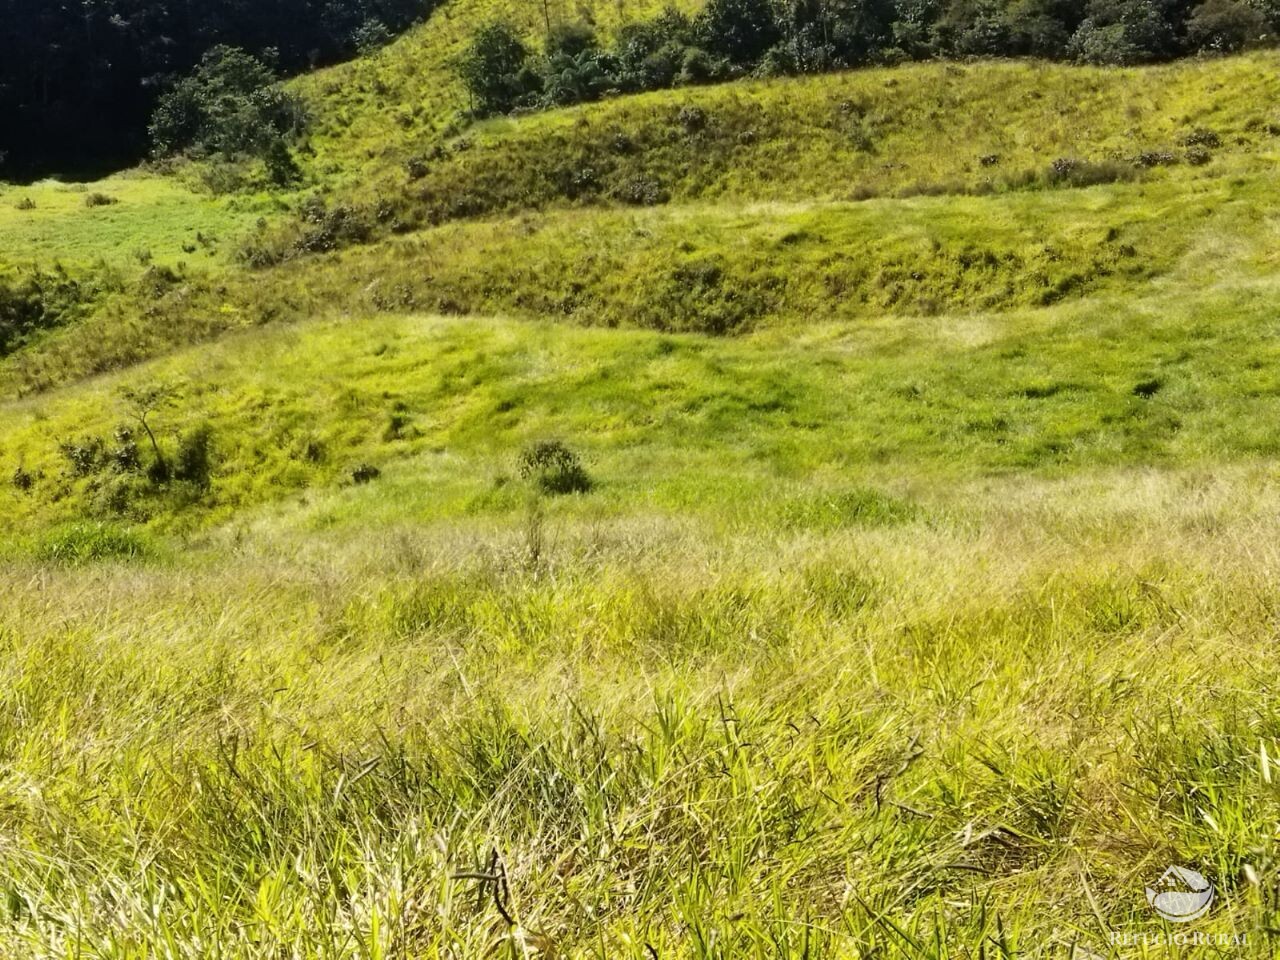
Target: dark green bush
x=553 y=468
x=1198 y=156
x=193 y=462
x=1067 y=171
x=1117 y=32
x=231 y=106
x=642 y=192
x=23 y=479
x=124 y=456
x=1202 y=137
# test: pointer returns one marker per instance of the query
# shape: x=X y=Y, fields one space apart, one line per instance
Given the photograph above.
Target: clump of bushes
x=1202 y=137
x=83 y=456
x=642 y=192
x=39 y=300
x=553 y=468
x=120 y=474
x=1068 y=171
x=231 y=107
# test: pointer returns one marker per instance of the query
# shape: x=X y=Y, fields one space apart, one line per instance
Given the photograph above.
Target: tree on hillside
x=496 y=70
x=649 y=52
x=1225 y=26
x=231 y=106
x=739 y=30
x=1043 y=28
x=575 y=68
x=1125 y=31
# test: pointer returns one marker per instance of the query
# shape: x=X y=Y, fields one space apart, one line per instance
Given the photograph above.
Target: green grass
x=876 y=132
x=721 y=268
x=912 y=739
x=925 y=610
x=153 y=220
x=378 y=111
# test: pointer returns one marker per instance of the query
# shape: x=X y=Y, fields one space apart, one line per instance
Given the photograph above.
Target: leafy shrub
x=574 y=68
x=89 y=543
x=327 y=229
x=38 y=301
x=649 y=54
x=1202 y=137
x=741 y=31
x=699 y=66
x=282 y=169
x=1198 y=156
x=979 y=29
x=84 y=457
x=371 y=35
x=124 y=456
x=553 y=468
x=1121 y=32
x=692 y=118
x=642 y=192
x=1067 y=171
x=193 y=462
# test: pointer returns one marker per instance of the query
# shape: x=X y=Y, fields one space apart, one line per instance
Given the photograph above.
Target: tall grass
x=921 y=741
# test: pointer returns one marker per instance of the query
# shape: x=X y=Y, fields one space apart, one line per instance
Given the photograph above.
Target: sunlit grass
x=150 y=219
x=928 y=611
x=994 y=722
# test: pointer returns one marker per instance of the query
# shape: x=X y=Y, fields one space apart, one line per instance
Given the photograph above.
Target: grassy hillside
x=918 y=128
x=377 y=110
x=916 y=600
x=800 y=674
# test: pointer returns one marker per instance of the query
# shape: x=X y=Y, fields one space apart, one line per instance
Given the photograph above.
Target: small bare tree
x=142 y=403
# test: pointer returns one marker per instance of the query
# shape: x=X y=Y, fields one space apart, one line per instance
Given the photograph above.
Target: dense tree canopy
x=80 y=78
x=769 y=37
